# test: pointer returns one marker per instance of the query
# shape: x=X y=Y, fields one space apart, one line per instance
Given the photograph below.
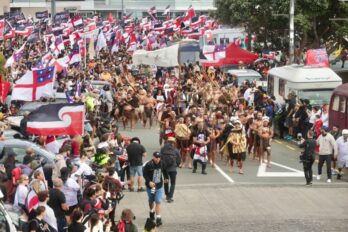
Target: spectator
x=58 y=203
x=171 y=160
x=327 y=144
x=21 y=192
x=342 y=154
x=308 y=156
x=325 y=115
x=125 y=224
x=38 y=224
x=70 y=189
x=50 y=217
x=76 y=221
x=136 y=152
x=154 y=186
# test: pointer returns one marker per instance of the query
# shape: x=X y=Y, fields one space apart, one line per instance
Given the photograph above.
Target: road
x=263 y=199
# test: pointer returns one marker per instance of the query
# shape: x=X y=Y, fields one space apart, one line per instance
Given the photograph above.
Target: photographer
x=308 y=156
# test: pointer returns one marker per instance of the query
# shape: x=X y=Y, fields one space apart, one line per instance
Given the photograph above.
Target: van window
x=282 y=84
x=270 y=85
x=336 y=103
x=342 y=104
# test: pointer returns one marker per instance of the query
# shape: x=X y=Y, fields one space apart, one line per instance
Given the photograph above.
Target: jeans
x=307 y=169
x=327 y=159
x=171 y=176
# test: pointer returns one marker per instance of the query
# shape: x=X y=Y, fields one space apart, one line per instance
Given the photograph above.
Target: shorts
x=133 y=170
x=157 y=197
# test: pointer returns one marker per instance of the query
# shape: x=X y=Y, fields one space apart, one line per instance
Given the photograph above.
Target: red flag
x=190 y=13
x=5 y=88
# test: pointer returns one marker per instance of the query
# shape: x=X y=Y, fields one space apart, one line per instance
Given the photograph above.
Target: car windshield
x=249 y=78
x=316 y=96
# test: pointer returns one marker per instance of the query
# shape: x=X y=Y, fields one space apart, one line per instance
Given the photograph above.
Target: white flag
x=101 y=42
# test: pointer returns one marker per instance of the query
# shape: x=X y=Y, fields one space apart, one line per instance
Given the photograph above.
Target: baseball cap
x=156 y=154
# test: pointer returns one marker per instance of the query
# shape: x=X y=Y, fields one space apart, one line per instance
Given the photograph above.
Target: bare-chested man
x=266 y=134
x=257 y=123
x=149 y=103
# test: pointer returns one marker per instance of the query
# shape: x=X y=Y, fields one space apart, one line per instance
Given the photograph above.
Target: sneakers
x=204 y=173
x=318 y=177
x=170 y=200
x=152 y=216
x=159 y=221
x=194 y=171
x=328 y=181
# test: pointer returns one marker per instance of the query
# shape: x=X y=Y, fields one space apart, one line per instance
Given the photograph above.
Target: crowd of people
x=203 y=114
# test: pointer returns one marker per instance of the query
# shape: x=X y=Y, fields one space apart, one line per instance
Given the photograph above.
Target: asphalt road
x=263 y=199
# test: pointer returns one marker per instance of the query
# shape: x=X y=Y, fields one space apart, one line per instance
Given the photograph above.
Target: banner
x=317 y=57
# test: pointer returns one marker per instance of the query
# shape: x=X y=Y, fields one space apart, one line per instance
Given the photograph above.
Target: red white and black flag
x=57 y=119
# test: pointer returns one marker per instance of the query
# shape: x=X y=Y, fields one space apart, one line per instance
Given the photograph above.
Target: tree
x=2 y=64
x=266 y=19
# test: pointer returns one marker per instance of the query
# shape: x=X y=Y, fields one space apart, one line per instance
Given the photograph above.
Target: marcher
x=154 y=186
x=200 y=151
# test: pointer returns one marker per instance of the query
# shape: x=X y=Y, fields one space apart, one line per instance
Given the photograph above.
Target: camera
x=153 y=190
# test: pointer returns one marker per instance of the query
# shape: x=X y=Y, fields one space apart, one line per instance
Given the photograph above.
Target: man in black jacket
x=171 y=160
x=154 y=186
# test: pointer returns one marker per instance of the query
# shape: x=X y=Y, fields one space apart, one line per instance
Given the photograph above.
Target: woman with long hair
x=76 y=218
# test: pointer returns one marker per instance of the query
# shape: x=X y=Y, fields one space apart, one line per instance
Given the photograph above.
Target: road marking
x=262 y=171
x=277 y=141
x=290 y=147
x=223 y=174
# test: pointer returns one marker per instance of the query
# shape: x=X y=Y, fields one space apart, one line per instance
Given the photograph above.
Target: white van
x=313 y=83
x=248 y=74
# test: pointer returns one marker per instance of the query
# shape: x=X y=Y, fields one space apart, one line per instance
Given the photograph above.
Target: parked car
x=19 y=146
x=9 y=220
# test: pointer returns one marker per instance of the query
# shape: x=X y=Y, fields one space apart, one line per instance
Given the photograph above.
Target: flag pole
x=85 y=41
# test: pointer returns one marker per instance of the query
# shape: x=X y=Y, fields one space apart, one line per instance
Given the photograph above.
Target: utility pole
x=53 y=9
x=122 y=9
x=292 y=31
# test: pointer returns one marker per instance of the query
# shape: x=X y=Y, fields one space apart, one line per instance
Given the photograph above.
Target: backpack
x=16 y=173
x=168 y=157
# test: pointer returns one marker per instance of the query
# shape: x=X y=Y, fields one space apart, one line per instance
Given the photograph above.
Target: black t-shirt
x=57 y=198
x=76 y=227
x=37 y=225
x=135 y=154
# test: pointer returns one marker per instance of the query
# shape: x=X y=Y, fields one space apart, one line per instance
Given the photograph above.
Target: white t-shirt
x=20 y=196
x=70 y=189
x=50 y=218
x=84 y=169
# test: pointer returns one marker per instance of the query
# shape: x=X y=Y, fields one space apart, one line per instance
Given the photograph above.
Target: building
x=138 y=7
x=4 y=6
